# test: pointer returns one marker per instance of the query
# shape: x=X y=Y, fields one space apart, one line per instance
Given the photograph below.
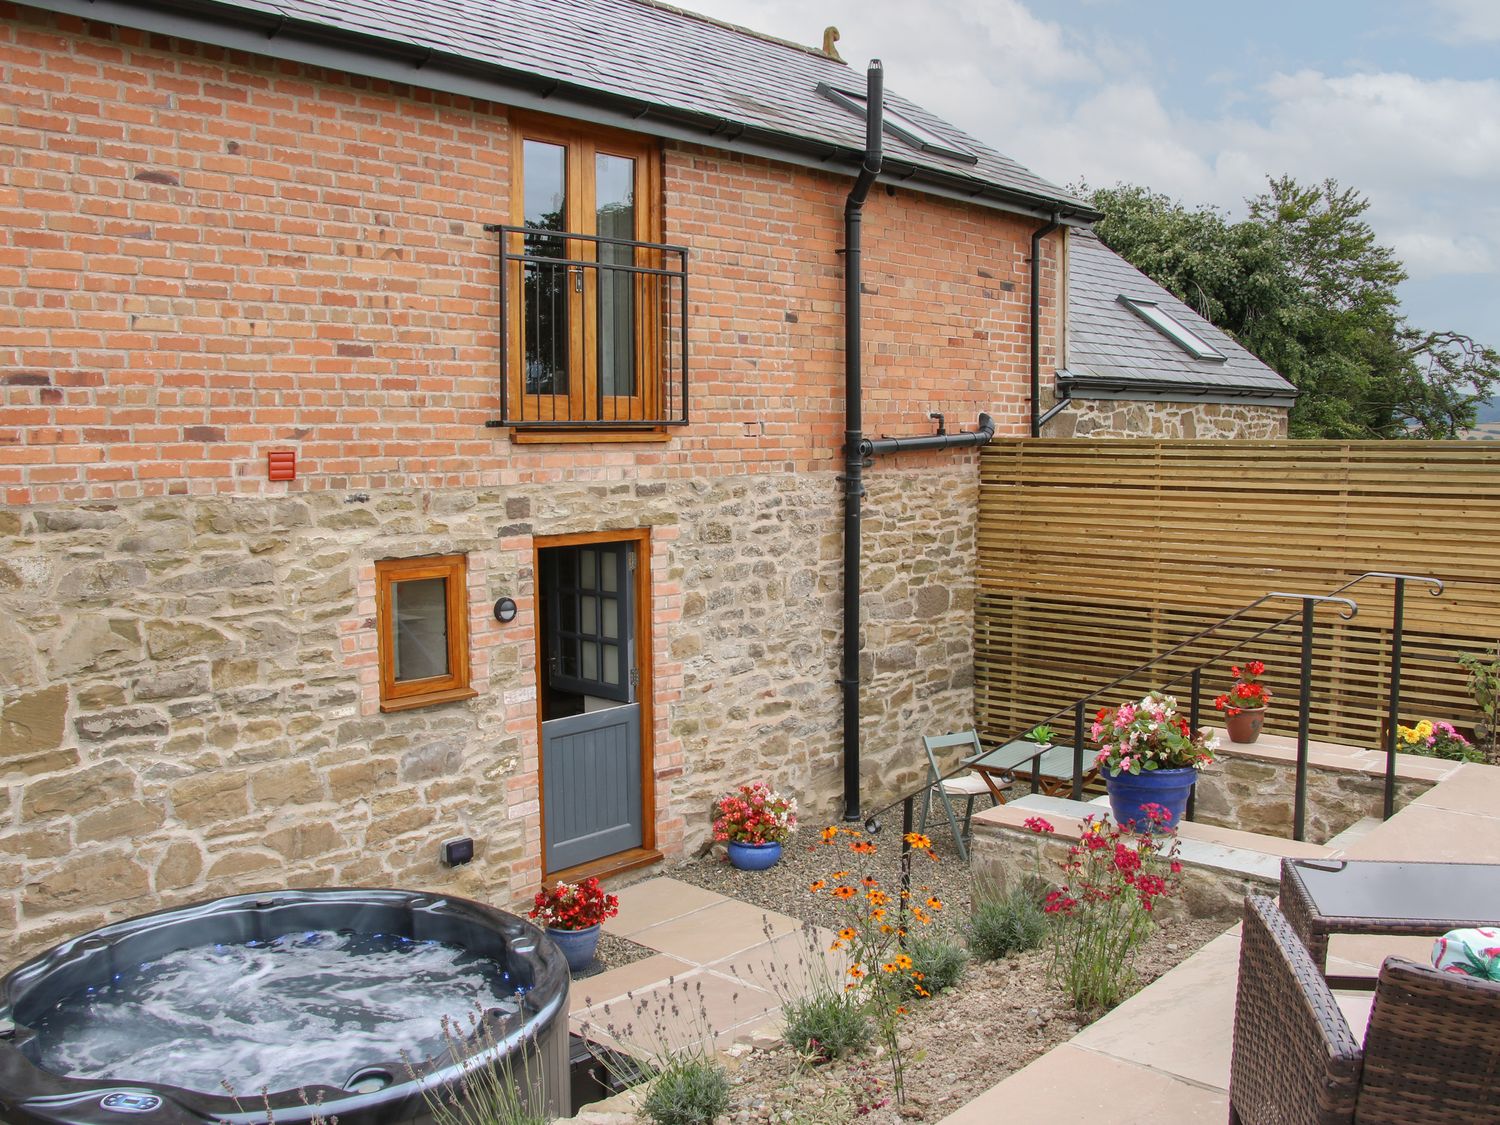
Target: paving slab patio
x=719 y=969
x=1163 y=1056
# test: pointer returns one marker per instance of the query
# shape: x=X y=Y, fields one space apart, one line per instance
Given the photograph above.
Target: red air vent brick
x=281 y=464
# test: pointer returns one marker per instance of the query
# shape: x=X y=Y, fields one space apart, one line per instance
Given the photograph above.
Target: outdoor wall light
x=505 y=611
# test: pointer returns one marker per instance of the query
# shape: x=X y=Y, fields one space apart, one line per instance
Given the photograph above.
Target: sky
x=1203 y=100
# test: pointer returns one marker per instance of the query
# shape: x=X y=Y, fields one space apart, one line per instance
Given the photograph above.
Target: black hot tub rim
x=34 y=1094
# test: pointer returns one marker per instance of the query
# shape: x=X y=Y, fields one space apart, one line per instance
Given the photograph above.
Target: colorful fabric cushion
x=1475 y=953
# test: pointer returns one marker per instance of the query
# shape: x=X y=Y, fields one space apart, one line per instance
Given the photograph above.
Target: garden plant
x=872 y=928
x=1102 y=916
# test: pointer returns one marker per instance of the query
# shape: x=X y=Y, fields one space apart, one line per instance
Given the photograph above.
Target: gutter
x=1096 y=386
x=274 y=35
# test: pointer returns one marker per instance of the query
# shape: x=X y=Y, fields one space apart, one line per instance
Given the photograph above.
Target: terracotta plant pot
x=1244 y=728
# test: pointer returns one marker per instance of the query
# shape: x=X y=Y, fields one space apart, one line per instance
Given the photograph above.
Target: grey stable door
x=591 y=729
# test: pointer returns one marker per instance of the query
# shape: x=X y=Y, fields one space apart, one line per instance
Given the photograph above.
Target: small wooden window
x=422 y=616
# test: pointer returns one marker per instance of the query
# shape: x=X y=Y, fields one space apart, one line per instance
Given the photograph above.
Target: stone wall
x=1005 y=857
x=1129 y=418
x=186 y=712
x=1254 y=795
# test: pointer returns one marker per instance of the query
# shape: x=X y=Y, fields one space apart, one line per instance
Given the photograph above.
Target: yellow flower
x=889 y=967
x=902 y=961
x=1424 y=729
x=847 y=934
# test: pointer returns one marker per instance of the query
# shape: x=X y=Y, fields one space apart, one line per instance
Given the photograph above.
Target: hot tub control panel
x=122 y=1102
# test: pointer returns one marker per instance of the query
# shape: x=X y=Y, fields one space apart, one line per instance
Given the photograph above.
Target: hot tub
x=309 y=1003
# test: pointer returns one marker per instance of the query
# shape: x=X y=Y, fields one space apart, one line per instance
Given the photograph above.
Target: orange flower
x=935 y=903
x=863 y=847
x=889 y=967
x=918 y=841
x=844 y=892
x=902 y=961
x=856 y=972
x=921 y=915
x=877 y=898
x=901 y=1009
x=870 y=881
x=921 y=991
x=878 y=913
x=847 y=934
x=817 y=884
x=839 y=875
x=836 y=945
x=829 y=834
x=887 y=929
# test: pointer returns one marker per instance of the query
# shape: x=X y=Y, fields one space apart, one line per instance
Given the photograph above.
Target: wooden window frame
x=404 y=695
x=581 y=144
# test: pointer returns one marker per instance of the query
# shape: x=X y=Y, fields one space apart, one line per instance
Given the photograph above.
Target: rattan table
x=1321 y=897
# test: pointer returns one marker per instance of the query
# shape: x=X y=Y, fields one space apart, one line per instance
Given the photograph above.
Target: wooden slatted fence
x=1096 y=556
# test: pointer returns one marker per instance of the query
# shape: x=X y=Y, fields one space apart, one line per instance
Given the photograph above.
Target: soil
x=994 y=1021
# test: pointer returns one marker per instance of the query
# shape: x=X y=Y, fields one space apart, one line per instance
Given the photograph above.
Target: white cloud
x=1463 y=21
x=1073 y=104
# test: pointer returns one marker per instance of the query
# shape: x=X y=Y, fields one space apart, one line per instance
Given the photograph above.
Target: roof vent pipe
x=854 y=455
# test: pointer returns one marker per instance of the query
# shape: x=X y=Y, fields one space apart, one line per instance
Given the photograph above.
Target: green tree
x=1305 y=285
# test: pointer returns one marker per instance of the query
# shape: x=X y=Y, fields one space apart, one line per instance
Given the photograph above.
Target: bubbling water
x=304 y=1010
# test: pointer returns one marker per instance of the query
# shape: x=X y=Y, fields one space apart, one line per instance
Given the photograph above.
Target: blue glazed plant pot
x=1129 y=793
x=577 y=945
x=754 y=857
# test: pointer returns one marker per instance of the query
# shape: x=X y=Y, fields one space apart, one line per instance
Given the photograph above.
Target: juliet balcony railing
x=593 y=331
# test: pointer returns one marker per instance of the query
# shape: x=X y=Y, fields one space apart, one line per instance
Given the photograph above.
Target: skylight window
x=1172 y=328
x=898 y=125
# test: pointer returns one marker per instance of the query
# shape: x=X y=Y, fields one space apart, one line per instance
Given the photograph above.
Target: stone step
x=1354 y=833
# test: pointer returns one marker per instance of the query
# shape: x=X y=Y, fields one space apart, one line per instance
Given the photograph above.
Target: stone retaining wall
x=1005 y=857
x=1260 y=796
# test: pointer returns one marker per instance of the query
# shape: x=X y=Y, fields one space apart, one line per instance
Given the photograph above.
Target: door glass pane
x=587 y=563
x=590 y=614
x=614 y=196
x=569 y=656
x=611 y=619
x=612 y=664
x=608 y=560
x=590 y=660
x=567 y=612
x=545 y=296
x=420 y=609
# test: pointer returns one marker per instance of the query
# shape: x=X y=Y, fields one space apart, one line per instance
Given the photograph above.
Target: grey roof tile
x=662 y=56
x=1106 y=341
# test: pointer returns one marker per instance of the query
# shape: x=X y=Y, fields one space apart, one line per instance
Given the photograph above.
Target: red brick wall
x=205 y=255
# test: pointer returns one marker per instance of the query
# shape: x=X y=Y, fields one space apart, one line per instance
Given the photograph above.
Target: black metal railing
x=593 y=331
x=1305 y=616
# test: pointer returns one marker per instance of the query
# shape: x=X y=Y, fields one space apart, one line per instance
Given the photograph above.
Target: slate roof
x=1112 y=349
x=657 y=64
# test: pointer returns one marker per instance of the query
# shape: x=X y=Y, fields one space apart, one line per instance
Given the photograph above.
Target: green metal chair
x=969 y=786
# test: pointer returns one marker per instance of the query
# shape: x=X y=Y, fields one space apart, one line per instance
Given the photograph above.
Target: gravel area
x=783 y=888
x=614 y=951
x=998 y=1018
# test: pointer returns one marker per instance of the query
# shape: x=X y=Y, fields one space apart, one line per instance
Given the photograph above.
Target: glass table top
x=1402 y=891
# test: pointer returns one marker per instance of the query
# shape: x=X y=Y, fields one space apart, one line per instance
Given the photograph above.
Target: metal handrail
x=1309 y=604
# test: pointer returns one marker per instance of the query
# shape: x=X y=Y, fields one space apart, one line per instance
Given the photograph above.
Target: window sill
x=589 y=437
x=430 y=699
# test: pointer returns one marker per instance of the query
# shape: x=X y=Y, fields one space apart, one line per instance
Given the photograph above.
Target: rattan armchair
x=1431 y=1052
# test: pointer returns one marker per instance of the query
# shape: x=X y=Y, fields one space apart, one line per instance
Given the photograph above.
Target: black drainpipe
x=857 y=448
x=1036 y=323
x=854 y=454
